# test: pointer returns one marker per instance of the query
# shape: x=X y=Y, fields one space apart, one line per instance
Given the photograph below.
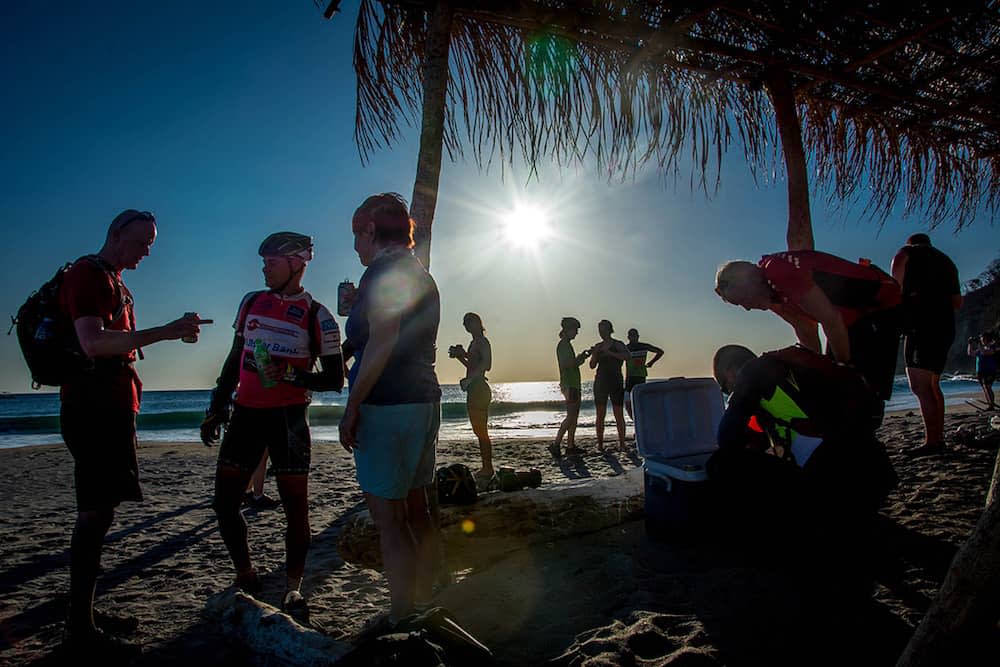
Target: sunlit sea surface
x=519 y=409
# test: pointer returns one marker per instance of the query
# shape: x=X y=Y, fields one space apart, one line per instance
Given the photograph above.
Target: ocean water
x=519 y=409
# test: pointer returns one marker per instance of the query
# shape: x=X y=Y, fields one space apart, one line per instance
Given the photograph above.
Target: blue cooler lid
x=676 y=418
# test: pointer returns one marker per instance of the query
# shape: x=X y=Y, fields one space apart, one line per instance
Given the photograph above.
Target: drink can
x=345 y=298
x=190 y=339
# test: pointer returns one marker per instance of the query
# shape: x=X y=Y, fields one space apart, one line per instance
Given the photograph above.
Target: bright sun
x=526 y=226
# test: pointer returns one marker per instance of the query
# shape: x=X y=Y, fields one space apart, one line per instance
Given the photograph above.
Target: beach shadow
x=50 y=612
x=45 y=563
x=758 y=610
x=900 y=549
x=612 y=460
x=574 y=467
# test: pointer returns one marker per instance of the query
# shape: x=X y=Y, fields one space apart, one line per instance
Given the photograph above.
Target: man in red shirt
x=98 y=410
x=856 y=304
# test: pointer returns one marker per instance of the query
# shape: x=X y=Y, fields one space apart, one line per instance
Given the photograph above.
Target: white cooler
x=676 y=422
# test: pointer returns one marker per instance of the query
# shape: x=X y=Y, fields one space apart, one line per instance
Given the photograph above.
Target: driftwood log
x=498 y=523
x=271 y=637
x=962 y=622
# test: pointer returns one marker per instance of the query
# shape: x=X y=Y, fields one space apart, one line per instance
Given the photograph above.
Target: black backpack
x=47 y=338
x=456 y=485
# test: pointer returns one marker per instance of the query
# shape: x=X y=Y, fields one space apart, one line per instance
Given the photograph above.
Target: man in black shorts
x=97 y=416
x=607 y=357
x=273 y=391
x=636 y=366
x=931 y=295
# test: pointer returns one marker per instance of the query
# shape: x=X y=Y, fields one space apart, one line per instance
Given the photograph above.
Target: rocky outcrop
x=497 y=523
x=980 y=312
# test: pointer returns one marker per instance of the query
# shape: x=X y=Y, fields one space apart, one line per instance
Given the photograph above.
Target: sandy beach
x=609 y=598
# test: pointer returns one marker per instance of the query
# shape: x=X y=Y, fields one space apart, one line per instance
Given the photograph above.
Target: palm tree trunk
x=435 y=75
x=799 y=235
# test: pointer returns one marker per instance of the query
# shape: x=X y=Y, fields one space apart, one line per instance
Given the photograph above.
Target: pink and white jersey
x=282 y=322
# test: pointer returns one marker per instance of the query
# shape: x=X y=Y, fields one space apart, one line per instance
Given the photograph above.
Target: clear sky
x=230 y=120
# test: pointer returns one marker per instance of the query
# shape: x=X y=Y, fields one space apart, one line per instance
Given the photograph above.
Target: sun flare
x=526 y=226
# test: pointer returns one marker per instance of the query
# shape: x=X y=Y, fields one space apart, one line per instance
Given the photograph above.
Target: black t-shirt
x=799 y=389
x=930 y=280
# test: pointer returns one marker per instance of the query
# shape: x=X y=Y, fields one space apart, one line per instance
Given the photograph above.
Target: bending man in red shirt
x=856 y=304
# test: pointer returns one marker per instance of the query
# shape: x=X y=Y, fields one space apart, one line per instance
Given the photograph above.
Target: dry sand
x=607 y=598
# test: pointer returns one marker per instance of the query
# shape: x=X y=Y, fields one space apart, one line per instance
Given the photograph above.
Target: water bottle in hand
x=262 y=358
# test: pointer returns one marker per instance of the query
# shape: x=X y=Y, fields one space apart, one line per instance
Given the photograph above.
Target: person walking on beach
x=393 y=412
x=98 y=411
x=569 y=384
x=477 y=361
x=985 y=349
x=931 y=295
x=279 y=335
x=856 y=304
x=636 y=366
x=607 y=356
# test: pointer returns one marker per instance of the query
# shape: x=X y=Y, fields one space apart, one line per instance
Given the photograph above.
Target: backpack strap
x=99 y=261
x=119 y=293
x=313 y=341
x=246 y=311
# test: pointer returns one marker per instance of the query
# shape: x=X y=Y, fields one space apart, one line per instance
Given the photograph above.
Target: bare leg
x=399 y=551
x=620 y=423
x=572 y=416
x=602 y=409
x=479 y=419
x=988 y=395
x=84 y=564
x=926 y=387
x=426 y=537
x=257 y=480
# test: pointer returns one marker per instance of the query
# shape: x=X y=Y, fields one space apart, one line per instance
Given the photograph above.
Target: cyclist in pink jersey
x=271 y=403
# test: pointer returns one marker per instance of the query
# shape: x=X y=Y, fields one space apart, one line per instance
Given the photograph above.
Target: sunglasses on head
x=142 y=215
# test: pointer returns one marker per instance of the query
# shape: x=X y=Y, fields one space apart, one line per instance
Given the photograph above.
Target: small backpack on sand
x=46 y=336
x=456 y=485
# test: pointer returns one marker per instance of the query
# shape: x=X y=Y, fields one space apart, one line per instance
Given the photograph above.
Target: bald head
x=743 y=284
x=130 y=237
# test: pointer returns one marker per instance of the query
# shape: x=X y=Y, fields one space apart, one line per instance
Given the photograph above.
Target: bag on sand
x=441 y=628
x=456 y=485
x=432 y=638
x=398 y=649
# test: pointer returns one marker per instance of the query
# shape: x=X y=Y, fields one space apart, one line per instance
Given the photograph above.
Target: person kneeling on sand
x=825 y=468
x=279 y=335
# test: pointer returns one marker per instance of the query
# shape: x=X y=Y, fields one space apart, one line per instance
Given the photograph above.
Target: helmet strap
x=291 y=276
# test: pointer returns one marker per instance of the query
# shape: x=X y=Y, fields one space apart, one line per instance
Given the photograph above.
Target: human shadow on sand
x=574 y=467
